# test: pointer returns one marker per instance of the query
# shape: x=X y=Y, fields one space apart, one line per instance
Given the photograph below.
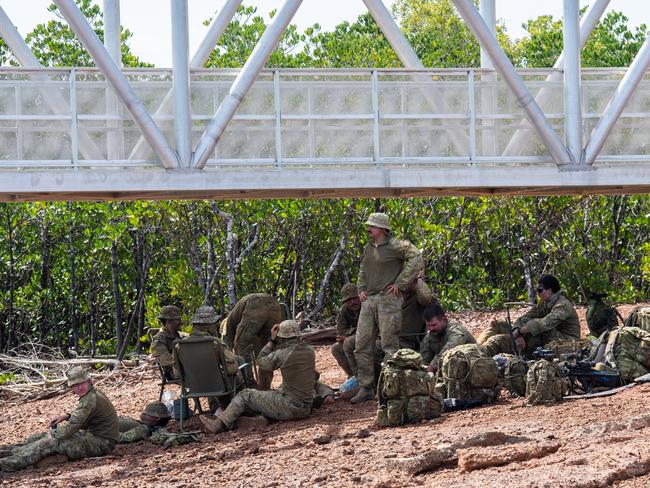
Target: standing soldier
x=416 y=299
x=346 y=326
x=91 y=429
x=248 y=325
x=162 y=343
x=297 y=362
x=388 y=266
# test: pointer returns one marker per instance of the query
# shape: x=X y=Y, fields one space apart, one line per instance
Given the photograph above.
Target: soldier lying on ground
x=248 y=325
x=443 y=334
x=294 y=399
x=554 y=318
x=346 y=326
x=162 y=343
x=153 y=417
x=90 y=430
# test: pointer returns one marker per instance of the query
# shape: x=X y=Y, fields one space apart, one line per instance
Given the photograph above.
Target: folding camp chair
x=203 y=372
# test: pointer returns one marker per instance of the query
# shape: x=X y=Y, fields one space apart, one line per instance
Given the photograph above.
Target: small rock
x=348 y=452
x=363 y=433
x=319 y=477
x=323 y=439
x=356 y=479
x=345 y=442
x=254 y=450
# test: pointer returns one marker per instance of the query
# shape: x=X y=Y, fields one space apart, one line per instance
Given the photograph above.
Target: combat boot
x=363 y=395
x=212 y=425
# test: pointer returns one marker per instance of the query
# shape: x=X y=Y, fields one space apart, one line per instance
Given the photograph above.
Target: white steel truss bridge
x=189 y=132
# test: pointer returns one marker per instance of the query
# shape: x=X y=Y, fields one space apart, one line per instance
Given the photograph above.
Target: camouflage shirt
x=162 y=347
x=232 y=365
x=346 y=323
x=297 y=364
x=253 y=316
x=393 y=261
x=94 y=413
x=556 y=319
x=413 y=307
x=434 y=345
x=133 y=431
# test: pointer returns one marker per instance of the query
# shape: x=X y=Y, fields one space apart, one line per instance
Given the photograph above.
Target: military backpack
x=544 y=383
x=467 y=373
x=406 y=391
x=514 y=375
x=639 y=317
x=628 y=351
x=600 y=316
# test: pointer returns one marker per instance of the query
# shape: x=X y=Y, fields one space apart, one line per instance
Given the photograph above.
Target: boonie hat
x=205 y=315
x=288 y=329
x=380 y=220
x=349 y=291
x=156 y=409
x=77 y=375
x=170 y=312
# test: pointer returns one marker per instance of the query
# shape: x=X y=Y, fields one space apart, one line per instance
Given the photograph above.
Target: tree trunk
x=46 y=280
x=74 y=323
x=115 y=271
x=11 y=322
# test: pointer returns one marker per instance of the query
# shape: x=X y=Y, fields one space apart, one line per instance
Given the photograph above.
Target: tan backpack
x=468 y=373
x=628 y=351
x=544 y=383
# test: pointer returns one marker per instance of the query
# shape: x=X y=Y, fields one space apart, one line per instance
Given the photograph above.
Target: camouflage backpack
x=467 y=373
x=600 y=316
x=639 y=317
x=406 y=392
x=514 y=375
x=544 y=383
x=628 y=350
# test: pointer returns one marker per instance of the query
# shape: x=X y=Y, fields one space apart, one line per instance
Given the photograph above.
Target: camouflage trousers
x=496 y=340
x=80 y=445
x=273 y=404
x=343 y=352
x=380 y=315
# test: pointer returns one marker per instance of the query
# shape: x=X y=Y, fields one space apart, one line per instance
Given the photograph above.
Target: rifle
x=583 y=378
x=515 y=351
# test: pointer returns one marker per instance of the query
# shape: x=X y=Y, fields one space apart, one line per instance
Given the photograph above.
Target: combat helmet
x=205 y=315
x=349 y=291
x=289 y=329
x=157 y=410
x=170 y=312
x=380 y=220
x=76 y=375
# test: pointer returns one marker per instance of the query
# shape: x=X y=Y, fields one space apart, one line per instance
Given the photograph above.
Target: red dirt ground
x=580 y=443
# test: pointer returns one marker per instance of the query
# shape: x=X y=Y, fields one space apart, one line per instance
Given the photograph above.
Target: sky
x=150 y=20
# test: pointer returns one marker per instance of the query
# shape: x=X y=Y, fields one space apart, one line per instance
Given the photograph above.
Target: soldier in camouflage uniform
x=162 y=343
x=90 y=430
x=416 y=298
x=153 y=417
x=346 y=326
x=443 y=334
x=553 y=318
x=388 y=266
x=248 y=325
x=294 y=399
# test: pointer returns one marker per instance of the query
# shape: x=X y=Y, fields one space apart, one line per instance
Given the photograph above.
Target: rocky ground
x=580 y=443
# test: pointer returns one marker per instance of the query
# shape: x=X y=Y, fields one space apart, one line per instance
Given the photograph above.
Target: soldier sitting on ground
x=443 y=334
x=294 y=399
x=346 y=326
x=248 y=325
x=554 y=318
x=153 y=417
x=162 y=343
x=90 y=430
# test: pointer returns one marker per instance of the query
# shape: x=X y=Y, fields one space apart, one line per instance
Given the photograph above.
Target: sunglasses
x=540 y=290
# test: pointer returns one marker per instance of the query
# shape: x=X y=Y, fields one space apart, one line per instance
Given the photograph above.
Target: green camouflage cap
x=289 y=329
x=77 y=375
x=205 y=315
x=349 y=291
x=170 y=312
x=156 y=409
x=380 y=220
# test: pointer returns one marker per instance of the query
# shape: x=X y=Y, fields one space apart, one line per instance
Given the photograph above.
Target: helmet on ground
x=349 y=291
x=289 y=329
x=205 y=315
x=156 y=409
x=77 y=375
x=380 y=220
x=170 y=312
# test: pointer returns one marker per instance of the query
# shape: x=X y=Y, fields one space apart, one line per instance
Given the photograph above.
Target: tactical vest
x=467 y=373
x=544 y=383
x=628 y=350
x=406 y=391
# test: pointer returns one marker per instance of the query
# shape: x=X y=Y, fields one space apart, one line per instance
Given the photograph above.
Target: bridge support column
x=181 y=76
x=572 y=92
x=113 y=44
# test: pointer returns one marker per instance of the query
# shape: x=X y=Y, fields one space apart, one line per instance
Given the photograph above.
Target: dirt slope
x=580 y=443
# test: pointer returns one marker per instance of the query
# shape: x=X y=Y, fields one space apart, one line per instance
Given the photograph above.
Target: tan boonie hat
x=289 y=329
x=349 y=291
x=170 y=312
x=380 y=220
x=156 y=409
x=205 y=315
x=77 y=375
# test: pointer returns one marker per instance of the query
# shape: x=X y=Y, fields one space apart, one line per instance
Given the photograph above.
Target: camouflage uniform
x=162 y=348
x=343 y=352
x=91 y=430
x=391 y=262
x=413 y=326
x=248 y=325
x=435 y=345
x=556 y=319
x=293 y=400
x=132 y=430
